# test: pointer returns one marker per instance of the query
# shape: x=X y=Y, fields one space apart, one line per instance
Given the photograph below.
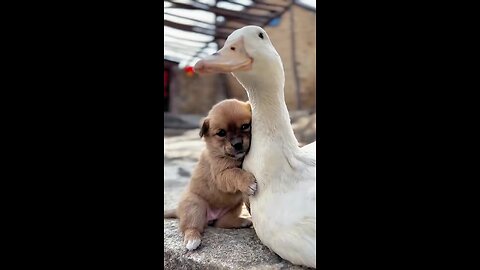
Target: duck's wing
x=297 y=243
x=307 y=157
x=310 y=149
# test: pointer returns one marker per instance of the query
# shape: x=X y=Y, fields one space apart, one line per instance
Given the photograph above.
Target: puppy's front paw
x=250 y=186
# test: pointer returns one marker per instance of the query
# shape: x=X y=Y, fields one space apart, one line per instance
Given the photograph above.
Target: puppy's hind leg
x=231 y=219
x=192 y=212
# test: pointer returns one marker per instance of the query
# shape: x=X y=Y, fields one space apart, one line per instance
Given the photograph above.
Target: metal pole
x=294 y=61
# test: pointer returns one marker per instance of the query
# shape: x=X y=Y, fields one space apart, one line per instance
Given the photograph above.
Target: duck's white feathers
x=284 y=218
x=284 y=208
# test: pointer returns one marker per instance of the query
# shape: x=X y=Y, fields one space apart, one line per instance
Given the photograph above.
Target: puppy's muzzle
x=237 y=144
x=237 y=149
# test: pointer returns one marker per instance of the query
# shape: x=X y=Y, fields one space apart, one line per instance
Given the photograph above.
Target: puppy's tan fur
x=218 y=185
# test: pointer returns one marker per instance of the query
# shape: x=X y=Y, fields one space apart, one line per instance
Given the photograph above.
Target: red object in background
x=189 y=71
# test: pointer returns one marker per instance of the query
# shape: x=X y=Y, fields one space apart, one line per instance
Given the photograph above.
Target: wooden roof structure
x=196 y=28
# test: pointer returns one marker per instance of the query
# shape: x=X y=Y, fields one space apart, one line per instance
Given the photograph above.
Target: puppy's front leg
x=234 y=179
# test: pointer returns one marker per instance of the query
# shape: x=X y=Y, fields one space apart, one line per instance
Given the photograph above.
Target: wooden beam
x=219 y=31
x=173 y=46
x=187 y=18
x=186 y=54
x=188 y=39
x=280 y=13
x=198 y=53
x=196 y=29
x=225 y=12
x=255 y=6
x=180 y=46
x=195 y=20
x=171 y=59
x=189 y=56
x=272 y=4
x=181 y=42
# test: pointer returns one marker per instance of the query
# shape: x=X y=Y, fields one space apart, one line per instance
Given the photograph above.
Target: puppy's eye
x=222 y=133
x=245 y=126
x=260 y=35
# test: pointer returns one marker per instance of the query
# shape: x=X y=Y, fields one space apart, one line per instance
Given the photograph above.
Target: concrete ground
x=220 y=248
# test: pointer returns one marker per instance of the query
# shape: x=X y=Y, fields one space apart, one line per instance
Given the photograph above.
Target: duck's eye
x=222 y=133
x=245 y=126
x=232 y=48
x=260 y=35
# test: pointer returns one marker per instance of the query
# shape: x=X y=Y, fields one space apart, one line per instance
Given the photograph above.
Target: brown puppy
x=215 y=192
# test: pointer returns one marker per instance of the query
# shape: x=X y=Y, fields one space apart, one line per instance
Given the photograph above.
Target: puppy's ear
x=204 y=128
x=249 y=105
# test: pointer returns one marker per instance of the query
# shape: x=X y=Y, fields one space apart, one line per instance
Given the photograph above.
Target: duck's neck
x=270 y=117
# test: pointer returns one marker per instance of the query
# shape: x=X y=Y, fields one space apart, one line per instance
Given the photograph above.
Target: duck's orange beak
x=232 y=57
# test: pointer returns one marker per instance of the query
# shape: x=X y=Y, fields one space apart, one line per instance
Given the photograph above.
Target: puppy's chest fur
x=203 y=182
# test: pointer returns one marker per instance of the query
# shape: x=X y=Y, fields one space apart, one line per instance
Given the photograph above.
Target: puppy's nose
x=238 y=146
x=237 y=143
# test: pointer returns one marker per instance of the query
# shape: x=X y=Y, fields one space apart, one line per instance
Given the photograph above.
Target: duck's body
x=284 y=207
x=283 y=210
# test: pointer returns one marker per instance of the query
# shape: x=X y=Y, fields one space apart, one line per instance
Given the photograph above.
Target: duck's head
x=248 y=54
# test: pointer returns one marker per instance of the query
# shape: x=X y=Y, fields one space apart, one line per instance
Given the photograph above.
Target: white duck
x=283 y=208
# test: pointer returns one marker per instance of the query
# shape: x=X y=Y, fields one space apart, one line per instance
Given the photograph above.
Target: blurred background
x=197 y=28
